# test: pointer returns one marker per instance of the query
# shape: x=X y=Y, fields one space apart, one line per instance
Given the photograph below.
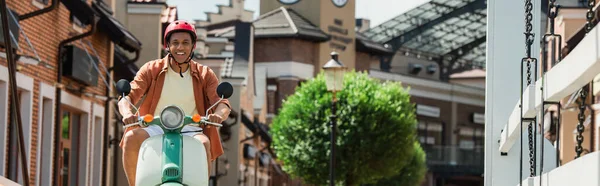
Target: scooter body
x=193 y=162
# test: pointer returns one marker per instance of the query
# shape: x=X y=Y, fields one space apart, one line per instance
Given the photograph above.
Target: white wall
x=3 y=117
x=505 y=49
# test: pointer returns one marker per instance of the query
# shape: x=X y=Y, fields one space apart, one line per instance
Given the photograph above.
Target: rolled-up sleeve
x=140 y=83
x=212 y=82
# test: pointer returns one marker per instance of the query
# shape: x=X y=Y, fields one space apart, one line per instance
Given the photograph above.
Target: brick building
x=65 y=114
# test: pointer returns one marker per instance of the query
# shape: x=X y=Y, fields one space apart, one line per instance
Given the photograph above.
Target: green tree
x=375 y=134
x=412 y=174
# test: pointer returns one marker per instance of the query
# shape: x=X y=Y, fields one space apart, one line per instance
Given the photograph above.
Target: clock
x=288 y=2
x=339 y=3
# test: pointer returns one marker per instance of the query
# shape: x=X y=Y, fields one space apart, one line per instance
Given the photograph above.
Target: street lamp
x=334 y=78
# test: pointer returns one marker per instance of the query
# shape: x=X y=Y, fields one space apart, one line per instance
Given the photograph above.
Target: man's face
x=180 y=45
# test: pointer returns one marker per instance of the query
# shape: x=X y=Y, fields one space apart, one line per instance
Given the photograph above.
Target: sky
x=378 y=11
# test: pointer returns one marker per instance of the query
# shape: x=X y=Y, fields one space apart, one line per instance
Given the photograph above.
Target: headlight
x=172 y=117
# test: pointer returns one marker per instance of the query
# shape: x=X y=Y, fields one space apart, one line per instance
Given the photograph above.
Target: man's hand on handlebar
x=125 y=110
x=129 y=119
x=214 y=118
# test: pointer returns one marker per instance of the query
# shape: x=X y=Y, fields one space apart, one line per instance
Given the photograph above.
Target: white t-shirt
x=177 y=91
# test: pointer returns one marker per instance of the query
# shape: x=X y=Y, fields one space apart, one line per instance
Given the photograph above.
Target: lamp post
x=334 y=78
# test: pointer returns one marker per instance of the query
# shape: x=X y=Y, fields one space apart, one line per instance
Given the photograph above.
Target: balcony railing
x=455 y=160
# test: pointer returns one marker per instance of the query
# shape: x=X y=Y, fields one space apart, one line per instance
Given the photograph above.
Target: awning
x=14 y=28
x=123 y=71
x=80 y=9
x=115 y=30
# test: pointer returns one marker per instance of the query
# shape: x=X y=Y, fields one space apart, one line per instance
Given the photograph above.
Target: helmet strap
x=187 y=61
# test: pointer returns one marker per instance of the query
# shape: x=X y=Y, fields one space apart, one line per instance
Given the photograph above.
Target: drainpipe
x=57 y=117
x=39 y=12
x=115 y=140
x=15 y=110
x=592 y=119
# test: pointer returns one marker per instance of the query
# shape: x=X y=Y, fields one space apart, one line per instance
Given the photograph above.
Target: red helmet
x=178 y=26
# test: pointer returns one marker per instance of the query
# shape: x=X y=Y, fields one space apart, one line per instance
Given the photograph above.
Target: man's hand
x=129 y=119
x=215 y=118
x=222 y=112
x=125 y=110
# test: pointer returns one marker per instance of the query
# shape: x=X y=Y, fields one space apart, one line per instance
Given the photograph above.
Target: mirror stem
x=213 y=106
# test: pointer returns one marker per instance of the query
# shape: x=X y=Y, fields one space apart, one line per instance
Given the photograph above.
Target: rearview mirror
x=225 y=90
x=123 y=87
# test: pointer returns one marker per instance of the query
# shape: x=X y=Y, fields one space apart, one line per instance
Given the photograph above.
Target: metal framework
x=452 y=31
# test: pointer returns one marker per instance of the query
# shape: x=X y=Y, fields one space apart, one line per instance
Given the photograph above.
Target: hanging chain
x=529 y=37
x=589 y=16
x=581 y=118
x=552 y=12
x=584 y=90
x=528 y=72
x=531 y=160
x=528 y=27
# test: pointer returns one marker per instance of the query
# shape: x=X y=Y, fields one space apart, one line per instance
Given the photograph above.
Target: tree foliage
x=376 y=129
x=412 y=174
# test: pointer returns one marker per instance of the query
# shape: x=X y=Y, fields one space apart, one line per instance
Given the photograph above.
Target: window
x=14 y=158
x=471 y=142
x=430 y=133
x=69 y=147
x=45 y=2
x=74 y=142
x=77 y=24
x=39 y=3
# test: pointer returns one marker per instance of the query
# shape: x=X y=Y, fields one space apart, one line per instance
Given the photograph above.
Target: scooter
x=172 y=158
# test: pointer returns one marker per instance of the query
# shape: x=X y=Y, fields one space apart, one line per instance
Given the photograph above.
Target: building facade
x=65 y=113
x=291 y=42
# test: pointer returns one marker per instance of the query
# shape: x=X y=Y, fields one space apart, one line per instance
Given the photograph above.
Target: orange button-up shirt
x=149 y=81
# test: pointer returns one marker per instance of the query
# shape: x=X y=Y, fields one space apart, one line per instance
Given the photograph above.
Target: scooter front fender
x=194 y=163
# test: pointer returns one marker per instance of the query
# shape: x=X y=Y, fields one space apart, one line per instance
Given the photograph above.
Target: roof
x=439 y=28
x=283 y=22
x=365 y=44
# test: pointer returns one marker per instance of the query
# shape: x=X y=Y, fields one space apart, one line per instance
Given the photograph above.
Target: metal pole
x=333 y=127
x=15 y=108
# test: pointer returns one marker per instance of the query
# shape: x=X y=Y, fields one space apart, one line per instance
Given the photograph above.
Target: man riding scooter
x=167 y=81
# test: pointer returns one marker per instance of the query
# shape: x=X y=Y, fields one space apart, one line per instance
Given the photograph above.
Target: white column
x=505 y=49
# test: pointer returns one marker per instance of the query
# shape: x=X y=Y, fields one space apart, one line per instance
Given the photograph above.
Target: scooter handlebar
x=203 y=120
